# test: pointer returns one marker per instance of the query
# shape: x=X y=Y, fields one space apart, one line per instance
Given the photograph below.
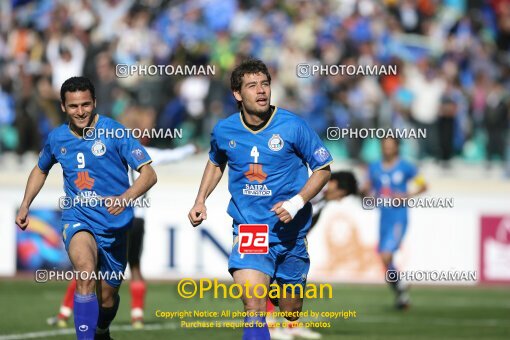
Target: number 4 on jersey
x=255 y=154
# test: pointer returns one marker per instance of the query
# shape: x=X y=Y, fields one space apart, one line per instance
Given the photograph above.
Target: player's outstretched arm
x=210 y=179
x=34 y=184
x=140 y=186
x=288 y=209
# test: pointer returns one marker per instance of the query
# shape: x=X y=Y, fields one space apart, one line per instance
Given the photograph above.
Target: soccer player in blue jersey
x=268 y=151
x=94 y=235
x=389 y=178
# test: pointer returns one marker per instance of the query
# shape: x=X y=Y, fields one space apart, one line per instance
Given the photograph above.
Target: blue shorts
x=111 y=248
x=286 y=262
x=391 y=233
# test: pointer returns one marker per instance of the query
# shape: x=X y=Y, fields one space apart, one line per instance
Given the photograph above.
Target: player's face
x=389 y=148
x=79 y=106
x=255 y=93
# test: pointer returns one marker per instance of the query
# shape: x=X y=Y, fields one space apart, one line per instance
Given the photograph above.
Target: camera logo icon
x=333 y=133
x=303 y=70
x=89 y=133
x=368 y=203
x=65 y=202
x=122 y=70
x=391 y=276
x=41 y=276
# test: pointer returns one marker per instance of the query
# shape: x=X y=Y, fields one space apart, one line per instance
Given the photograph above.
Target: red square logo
x=253 y=238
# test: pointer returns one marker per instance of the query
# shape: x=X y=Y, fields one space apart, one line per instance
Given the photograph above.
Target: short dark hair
x=346 y=181
x=395 y=139
x=74 y=84
x=248 y=66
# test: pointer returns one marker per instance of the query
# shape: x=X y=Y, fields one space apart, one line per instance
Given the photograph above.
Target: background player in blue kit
x=94 y=236
x=267 y=150
x=389 y=178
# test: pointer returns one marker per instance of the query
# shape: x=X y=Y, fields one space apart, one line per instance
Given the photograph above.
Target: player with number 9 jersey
x=94 y=168
x=98 y=206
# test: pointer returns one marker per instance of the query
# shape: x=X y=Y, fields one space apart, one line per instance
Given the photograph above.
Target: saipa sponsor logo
x=256 y=174
x=257 y=190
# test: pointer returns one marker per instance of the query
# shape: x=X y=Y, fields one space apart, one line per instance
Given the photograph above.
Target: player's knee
x=108 y=295
x=292 y=315
x=83 y=262
x=85 y=285
x=291 y=311
x=255 y=305
x=291 y=318
x=107 y=301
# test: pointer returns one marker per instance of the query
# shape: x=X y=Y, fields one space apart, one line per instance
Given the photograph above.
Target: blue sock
x=86 y=310
x=106 y=315
x=256 y=332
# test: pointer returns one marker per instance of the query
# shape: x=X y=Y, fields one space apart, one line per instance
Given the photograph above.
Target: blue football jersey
x=266 y=167
x=387 y=182
x=94 y=168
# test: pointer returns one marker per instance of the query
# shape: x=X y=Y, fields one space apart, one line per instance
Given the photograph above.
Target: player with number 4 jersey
x=266 y=167
x=268 y=151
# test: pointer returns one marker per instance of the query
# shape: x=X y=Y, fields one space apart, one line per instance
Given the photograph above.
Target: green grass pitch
x=436 y=313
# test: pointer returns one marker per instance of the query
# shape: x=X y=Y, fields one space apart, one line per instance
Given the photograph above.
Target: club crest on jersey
x=63 y=150
x=398 y=177
x=232 y=143
x=98 y=148
x=275 y=143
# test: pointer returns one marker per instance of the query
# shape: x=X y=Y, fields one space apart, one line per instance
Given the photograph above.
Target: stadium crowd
x=453 y=59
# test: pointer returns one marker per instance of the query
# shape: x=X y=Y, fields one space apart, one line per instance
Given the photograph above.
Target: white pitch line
x=176 y=325
x=122 y=328
x=69 y=331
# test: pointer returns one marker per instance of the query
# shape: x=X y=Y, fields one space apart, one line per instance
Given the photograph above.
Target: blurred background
x=453 y=59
